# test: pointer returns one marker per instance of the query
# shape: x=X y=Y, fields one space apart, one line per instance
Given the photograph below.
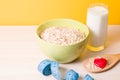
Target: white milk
x=97 y=21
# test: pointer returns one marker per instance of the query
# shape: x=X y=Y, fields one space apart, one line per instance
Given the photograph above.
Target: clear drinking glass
x=97 y=21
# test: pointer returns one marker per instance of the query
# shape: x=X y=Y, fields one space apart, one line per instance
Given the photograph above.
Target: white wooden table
x=20 y=55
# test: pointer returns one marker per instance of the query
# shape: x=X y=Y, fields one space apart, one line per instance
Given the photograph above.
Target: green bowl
x=63 y=53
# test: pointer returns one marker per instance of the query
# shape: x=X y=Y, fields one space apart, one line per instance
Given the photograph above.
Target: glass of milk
x=97 y=21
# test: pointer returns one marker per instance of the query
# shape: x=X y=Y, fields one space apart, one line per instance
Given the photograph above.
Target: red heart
x=100 y=62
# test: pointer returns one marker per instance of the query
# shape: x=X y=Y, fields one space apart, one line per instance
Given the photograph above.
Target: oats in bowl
x=62 y=35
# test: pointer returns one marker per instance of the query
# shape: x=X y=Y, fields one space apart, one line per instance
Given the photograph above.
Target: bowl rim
x=67 y=20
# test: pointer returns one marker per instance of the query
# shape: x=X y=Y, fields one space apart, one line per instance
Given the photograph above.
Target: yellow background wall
x=30 y=12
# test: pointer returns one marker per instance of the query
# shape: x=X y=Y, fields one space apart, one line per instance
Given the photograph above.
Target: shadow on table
x=113 y=37
x=112 y=40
